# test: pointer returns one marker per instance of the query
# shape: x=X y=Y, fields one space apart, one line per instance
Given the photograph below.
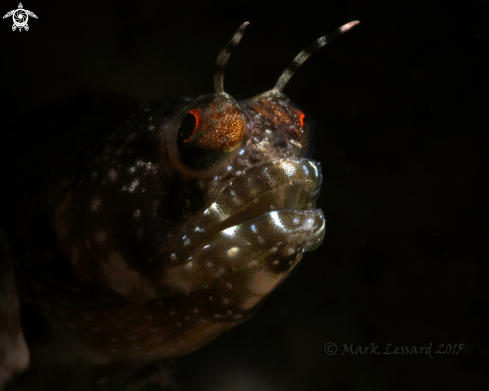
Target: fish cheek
x=226 y=288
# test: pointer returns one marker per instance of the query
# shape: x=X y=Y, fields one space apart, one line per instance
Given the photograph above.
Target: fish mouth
x=255 y=231
x=286 y=188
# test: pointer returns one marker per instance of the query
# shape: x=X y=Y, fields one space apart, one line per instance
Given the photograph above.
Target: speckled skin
x=154 y=244
x=150 y=272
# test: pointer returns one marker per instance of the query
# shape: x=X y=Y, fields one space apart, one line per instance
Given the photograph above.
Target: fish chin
x=261 y=224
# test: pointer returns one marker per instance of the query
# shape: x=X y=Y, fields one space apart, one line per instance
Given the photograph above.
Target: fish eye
x=207 y=133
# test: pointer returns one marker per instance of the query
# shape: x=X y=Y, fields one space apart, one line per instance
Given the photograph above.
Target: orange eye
x=301 y=117
x=208 y=132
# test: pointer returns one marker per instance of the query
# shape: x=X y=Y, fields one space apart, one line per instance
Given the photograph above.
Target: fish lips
x=261 y=224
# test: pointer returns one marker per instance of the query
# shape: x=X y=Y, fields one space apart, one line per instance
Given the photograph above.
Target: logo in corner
x=20 y=16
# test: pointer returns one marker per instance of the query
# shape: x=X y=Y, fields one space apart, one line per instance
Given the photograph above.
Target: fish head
x=184 y=220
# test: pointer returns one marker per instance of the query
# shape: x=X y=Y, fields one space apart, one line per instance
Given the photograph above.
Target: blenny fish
x=158 y=235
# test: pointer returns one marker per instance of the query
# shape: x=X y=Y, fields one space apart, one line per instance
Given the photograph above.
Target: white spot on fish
x=233 y=251
x=133 y=186
x=289 y=168
x=230 y=232
x=277 y=220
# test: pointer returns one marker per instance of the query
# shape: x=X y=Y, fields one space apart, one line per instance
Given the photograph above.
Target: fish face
x=176 y=226
x=198 y=248
x=259 y=212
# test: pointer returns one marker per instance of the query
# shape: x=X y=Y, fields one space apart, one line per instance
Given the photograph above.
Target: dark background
x=400 y=104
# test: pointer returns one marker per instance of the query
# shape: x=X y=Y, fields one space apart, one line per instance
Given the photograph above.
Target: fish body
x=159 y=235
